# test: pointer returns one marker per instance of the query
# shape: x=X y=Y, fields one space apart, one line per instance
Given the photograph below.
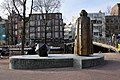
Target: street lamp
x=3 y=36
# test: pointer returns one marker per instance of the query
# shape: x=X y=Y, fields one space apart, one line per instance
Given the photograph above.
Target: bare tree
x=45 y=7
x=7 y=8
x=49 y=6
x=108 y=11
x=22 y=8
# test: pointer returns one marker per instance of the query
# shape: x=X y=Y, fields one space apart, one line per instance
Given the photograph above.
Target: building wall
x=14 y=28
x=116 y=9
x=98 y=23
x=69 y=33
x=54 y=29
x=112 y=24
x=3 y=35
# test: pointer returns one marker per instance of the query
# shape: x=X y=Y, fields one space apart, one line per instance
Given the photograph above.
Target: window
x=48 y=28
x=33 y=17
x=96 y=27
x=56 y=28
x=42 y=35
x=53 y=21
x=56 y=22
x=61 y=35
x=32 y=29
x=15 y=32
x=56 y=35
x=49 y=23
x=42 y=28
x=38 y=28
x=49 y=16
x=40 y=17
x=107 y=20
x=116 y=27
x=56 y=16
x=61 y=22
x=42 y=22
x=32 y=23
x=60 y=16
x=20 y=31
x=61 y=28
x=99 y=22
x=38 y=35
x=37 y=17
x=96 y=33
x=94 y=21
x=111 y=21
x=32 y=35
x=27 y=31
x=48 y=35
x=16 y=27
x=38 y=23
x=44 y=16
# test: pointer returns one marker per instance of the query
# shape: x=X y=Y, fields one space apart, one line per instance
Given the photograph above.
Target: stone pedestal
x=55 y=61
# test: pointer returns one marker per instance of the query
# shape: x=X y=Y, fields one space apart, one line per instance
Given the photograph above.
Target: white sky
x=71 y=8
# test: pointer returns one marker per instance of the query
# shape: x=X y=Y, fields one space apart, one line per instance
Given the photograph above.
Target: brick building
x=14 y=28
x=54 y=28
x=112 y=25
x=116 y=9
x=113 y=21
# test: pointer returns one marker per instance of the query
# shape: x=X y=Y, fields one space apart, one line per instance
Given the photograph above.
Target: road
x=109 y=71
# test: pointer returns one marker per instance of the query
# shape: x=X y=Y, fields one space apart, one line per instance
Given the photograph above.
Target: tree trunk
x=46 y=27
x=23 y=31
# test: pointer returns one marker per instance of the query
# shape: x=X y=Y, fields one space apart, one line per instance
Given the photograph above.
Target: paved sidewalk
x=109 y=71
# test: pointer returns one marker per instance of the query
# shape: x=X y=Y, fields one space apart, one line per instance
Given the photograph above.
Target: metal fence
x=106 y=40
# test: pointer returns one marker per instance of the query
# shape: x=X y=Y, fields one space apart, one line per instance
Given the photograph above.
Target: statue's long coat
x=83 y=37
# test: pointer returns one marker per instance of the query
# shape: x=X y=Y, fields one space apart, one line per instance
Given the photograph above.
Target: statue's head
x=83 y=13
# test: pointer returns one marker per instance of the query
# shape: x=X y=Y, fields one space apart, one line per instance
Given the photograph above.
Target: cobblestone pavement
x=109 y=71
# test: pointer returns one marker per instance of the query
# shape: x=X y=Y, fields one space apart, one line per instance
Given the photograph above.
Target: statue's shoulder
x=78 y=19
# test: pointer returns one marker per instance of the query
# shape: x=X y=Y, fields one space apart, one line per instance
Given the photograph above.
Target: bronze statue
x=83 y=38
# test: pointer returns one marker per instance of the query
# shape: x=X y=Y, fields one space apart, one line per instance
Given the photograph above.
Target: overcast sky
x=71 y=8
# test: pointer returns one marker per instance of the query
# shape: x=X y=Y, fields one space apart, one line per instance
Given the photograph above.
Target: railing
x=107 y=41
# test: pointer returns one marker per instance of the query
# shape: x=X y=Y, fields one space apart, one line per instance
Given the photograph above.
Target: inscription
x=37 y=64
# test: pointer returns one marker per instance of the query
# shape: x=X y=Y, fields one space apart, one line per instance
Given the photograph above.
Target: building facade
x=3 y=32
x=69 y=33
x=98 y=23
x=112 y=25
x=50 y=24
x=113 y=21
x=15 y=27
x=116 y=9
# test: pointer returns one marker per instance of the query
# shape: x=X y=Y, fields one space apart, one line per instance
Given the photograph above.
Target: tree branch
x=30 y=11
x=17 y=9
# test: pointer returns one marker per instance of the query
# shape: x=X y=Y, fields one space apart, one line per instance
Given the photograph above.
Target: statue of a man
x=83 y=37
